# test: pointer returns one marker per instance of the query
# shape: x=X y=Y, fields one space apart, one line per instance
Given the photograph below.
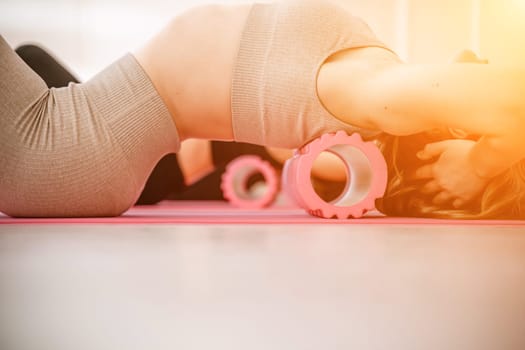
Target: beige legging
x=83 y=150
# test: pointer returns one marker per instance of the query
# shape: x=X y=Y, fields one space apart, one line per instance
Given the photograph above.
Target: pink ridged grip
x=235 y=179
x=366 y=180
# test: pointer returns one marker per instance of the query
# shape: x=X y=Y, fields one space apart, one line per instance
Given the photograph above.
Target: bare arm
x=403 y=99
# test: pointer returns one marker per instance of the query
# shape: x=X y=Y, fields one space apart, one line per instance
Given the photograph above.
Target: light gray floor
x=284 y=287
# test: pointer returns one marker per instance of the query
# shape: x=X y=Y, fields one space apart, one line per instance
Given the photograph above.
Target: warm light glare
x=520 y=4
x=90 y=34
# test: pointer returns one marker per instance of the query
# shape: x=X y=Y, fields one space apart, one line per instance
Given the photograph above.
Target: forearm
x=480 y=99
x=82 y=150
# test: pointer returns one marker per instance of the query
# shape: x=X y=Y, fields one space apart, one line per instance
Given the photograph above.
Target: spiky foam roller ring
x=366 y=176
x=235 y=180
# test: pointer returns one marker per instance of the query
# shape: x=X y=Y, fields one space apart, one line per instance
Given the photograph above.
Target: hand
x=451 y=177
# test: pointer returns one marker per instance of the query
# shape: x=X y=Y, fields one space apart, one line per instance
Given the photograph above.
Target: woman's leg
x=166 y=178
x=82 y=150
x=166 y=181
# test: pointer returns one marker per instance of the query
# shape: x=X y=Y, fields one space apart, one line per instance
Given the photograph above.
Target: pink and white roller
x=235 y=179
x=366 y=176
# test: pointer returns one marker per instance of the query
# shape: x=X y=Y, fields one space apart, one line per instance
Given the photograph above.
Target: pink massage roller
x=366 y=173
x=235 y=179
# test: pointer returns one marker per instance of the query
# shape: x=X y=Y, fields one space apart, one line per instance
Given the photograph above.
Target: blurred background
x=87 y=35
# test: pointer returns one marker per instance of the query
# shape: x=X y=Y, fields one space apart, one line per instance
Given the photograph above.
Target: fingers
x=424 y=172
x=431 y=187
x=458 y=203
x=442 y=198
x=431 y=150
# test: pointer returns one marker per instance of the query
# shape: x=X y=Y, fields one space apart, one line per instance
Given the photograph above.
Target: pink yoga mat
x=216 y=212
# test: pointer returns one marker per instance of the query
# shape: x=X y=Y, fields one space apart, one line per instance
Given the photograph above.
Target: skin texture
x=190 y=64
x=444 y=179
x=405 y=99
x=195 y=160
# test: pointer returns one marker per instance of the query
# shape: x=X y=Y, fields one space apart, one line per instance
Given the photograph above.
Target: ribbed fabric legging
x=83 y=150
x=165 y=179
